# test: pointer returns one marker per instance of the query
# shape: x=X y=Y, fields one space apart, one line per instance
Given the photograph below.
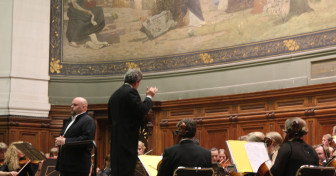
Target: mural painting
x=102 y=37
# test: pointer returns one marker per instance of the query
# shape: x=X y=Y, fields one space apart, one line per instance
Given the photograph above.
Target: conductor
x=126 y=114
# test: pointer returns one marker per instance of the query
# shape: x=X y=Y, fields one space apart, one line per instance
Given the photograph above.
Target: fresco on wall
x=105 y=37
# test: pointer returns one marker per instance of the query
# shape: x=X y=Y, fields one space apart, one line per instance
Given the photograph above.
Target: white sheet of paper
x=257 y=154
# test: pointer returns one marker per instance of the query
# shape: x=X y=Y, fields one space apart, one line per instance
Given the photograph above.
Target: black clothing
x=26 y=171
x=105 y=172
x=77 y=158
x=79 y=25
x=187 y=154
x=126 y=115
x=291 y=156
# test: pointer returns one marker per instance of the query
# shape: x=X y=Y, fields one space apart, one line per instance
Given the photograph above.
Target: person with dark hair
x=126 y=114
x=186 y=153
x=214 y=155
x=294 y=152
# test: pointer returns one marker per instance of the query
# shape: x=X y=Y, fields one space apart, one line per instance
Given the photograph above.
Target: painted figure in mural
x=85 y=21
x=179 y=9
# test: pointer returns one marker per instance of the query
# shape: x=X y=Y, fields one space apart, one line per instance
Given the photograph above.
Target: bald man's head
x=78 y=105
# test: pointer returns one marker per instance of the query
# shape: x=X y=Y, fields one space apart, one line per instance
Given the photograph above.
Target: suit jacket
x=187 y=154
x=77 y=158
x=126 y=114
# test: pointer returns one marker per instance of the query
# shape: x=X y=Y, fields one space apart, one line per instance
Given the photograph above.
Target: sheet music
x=257 y=154
x=150 y=163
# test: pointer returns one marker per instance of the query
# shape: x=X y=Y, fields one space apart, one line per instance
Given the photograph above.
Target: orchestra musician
x=223 y=159
x=186 y=153
x=3 y=149
x=214 y=155
x=141 y=148
x=294 y=152
x=273 y=141
x=16 y=162
x=323 y=154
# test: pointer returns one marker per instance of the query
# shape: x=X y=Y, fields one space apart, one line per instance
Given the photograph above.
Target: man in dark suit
x=126 y=114
x=186 y=153
x=75 y=160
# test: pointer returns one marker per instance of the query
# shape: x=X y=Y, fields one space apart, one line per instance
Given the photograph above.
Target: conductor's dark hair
x=190 y=127
x=132 y=76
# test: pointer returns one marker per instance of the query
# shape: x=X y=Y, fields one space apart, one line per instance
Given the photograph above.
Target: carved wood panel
x=218 y=118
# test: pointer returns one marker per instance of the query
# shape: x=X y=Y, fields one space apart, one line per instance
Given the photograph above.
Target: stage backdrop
x=166 y=35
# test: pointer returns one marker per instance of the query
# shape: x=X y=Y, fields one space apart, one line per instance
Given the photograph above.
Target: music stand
x=49 y=168
x=32 y=153
x=307 y=170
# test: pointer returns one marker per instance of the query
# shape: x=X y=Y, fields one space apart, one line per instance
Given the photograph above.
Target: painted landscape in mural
x=143 y=29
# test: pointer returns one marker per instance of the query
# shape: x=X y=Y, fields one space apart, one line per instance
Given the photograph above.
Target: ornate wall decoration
x=221 y=34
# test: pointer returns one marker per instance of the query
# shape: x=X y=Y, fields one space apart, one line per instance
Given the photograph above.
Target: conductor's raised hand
x=151 y=91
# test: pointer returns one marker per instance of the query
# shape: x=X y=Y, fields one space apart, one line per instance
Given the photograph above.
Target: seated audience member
x=256 y=137
x=214 y=155
x=3 y=149
x=141 y=148
x=322 y=153
x=273 y=145
x=186 y=153
x=294 y=152
x=53 y=153
x=13 y=157
x=107 y=169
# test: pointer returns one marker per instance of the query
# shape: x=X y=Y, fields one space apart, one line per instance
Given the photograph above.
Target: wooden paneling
x=218 y=118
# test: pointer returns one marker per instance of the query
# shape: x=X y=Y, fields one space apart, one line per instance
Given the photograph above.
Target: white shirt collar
x=129 y=84
x=75 y=116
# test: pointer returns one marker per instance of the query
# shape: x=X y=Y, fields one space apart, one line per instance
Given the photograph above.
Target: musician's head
x=322 y=151
x=13 y=155
x=190 y=130
x=214 y=154
x=327 y=140
x=53 y=153
x=256 y=137
x=141 y=148
x=222 y=154
x=275 y=139
x=296 y=127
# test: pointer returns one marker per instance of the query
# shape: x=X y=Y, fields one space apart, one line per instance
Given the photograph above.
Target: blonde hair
x=275 y=136
x=256 y=137
x=3 y=147
x=11 y=157
x=53 y=152
x=142 y=145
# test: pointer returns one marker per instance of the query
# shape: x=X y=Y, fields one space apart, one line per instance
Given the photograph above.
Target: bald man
x=75 y=160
